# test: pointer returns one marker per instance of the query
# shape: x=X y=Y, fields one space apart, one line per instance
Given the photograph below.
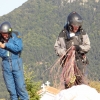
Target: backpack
x=69 y=40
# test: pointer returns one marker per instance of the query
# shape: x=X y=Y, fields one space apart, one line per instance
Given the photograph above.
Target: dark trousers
x=83 y=68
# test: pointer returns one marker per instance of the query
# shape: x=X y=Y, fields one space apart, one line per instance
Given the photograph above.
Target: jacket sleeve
x=16 y=45
x=85 y=47
x=60 y=47
x=2 y=52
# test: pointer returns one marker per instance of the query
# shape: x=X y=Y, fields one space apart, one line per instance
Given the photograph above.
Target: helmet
x=5 y=27
x=74 y=19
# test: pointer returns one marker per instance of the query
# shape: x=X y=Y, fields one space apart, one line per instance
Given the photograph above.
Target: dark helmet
x=5 y=27
x=74 y=19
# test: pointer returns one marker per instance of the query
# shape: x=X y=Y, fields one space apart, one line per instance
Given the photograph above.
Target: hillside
x=40 y=23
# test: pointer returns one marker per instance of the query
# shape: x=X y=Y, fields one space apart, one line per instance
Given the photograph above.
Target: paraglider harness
x=80 y=56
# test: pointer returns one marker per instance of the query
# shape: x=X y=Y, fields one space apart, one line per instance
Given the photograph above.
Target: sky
x=7 y=6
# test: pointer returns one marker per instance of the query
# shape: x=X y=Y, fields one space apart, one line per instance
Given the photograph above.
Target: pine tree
x=31 y=85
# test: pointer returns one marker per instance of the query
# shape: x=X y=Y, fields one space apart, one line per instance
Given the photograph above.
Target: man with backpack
x=74 y=35
x=10 y=51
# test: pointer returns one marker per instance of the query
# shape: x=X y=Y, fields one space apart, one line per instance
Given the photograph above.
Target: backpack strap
x=64 y=33
x=80 y=36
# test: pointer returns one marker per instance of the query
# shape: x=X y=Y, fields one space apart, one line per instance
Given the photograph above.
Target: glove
x=77 y=48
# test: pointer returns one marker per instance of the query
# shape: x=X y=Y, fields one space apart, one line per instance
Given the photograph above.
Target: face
x=75 y=28
x=5 y=36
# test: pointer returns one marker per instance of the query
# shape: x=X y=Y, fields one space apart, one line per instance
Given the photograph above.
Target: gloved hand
x=77 y=48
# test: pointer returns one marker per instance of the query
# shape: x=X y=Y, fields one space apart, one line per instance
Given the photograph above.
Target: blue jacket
x=12 y=48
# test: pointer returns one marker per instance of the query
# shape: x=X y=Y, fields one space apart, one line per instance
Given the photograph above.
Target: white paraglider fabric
x=79 y=92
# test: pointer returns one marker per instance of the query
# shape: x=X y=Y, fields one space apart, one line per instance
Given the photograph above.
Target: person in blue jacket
x=10 y=51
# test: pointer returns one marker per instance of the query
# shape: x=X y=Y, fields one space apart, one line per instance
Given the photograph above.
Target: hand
x=2 y=45
x=77 y=48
